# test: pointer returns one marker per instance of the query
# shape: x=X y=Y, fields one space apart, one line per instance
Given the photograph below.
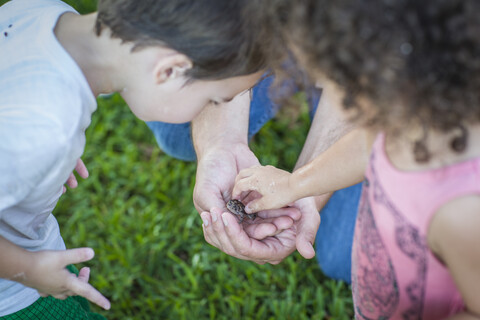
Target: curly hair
x=212 y=33
x=423 y=56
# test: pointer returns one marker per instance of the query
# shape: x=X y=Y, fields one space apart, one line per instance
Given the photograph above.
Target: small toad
x=237 y=208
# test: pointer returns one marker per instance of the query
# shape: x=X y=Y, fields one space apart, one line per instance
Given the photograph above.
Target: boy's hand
x=48 y=275
x=270 y=183
x=82 y=172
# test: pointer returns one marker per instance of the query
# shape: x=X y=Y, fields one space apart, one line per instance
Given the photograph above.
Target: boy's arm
x=14 y=260
x=342 y=165
x=454 y=238
x=46 y=271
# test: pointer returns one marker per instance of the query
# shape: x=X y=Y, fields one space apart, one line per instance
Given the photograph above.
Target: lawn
x=151 y=260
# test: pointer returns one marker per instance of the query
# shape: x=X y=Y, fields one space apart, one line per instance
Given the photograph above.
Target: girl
x=407 y=72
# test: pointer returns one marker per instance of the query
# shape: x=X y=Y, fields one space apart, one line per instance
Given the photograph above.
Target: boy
x=168 y=59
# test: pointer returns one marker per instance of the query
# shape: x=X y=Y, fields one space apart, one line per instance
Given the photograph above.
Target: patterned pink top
x=394 y=273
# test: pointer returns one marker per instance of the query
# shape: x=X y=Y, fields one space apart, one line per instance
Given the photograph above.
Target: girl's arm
x=342 y=165
x=454 y=237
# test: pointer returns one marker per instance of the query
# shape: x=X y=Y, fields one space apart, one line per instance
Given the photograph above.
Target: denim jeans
x=335 y=234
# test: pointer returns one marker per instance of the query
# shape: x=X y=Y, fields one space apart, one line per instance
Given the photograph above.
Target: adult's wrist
x=219 y=126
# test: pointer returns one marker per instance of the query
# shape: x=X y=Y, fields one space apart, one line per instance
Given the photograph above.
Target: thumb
x=306 y=233
x=77 y=255
x=305 y=247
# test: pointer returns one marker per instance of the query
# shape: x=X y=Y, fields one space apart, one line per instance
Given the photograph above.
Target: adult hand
x=48 y=275
x=216 y=174
x=82 y=172
x=306 y=228
x=222 y=230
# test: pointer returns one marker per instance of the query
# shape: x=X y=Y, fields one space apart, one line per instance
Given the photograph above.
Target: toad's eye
x=215 y=101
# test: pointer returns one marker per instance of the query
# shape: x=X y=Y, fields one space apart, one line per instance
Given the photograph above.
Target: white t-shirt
x=45 y=106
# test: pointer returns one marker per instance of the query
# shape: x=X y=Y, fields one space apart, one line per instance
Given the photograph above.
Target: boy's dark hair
x=212 y=33
x=421 y=54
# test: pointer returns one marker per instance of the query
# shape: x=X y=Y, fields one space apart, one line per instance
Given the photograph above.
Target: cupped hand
x=49 y=276
x=82 y=171
x=216 y=172
x=272 y=185
x=222 y=230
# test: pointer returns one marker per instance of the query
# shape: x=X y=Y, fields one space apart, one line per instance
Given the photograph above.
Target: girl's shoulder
x=454 y=237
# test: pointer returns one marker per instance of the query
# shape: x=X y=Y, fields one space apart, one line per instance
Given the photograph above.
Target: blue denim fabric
x=333 y=244
x=176 y=139
x=335 y=235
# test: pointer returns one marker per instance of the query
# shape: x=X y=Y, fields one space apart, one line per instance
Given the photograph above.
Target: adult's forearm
x=221 y=125
x=341 y=166
x=328 y=126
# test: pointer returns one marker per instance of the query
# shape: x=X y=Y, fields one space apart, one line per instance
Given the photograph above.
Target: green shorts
x=49 y=308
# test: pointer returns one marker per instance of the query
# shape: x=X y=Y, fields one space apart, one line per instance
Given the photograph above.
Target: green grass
x=151 y=260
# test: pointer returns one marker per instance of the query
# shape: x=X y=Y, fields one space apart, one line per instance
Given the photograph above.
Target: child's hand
x=48 y=274
x=82 y=172
x=271 y=183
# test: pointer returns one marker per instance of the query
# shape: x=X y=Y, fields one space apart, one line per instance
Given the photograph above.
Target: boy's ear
x=170 y=67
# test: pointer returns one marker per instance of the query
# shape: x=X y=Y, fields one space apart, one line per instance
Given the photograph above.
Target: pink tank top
x=394 y=273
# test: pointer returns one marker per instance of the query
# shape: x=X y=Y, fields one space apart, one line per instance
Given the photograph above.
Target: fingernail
x=214 y=216
x=90 y=253
x=205 y=222
x=204 y=217
x=224 y=219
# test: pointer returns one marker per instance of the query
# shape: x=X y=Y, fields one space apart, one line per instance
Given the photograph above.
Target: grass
x=151 y=260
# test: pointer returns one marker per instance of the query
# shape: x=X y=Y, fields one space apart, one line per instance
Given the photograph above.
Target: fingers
x=260 y=231
x=72 y=181
x=78 y=255
x=291 y=212
x=260 y=205
x=244 y=185
x=234 y=242
x=81 y=288
x=205 y=198
x=81 y=169
x=222 y=230
x=219 y=222
x=84 y=274
x=245 y=173
x=306 y=231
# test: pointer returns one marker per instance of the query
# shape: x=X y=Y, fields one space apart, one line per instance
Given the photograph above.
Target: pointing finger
x=90 y=293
